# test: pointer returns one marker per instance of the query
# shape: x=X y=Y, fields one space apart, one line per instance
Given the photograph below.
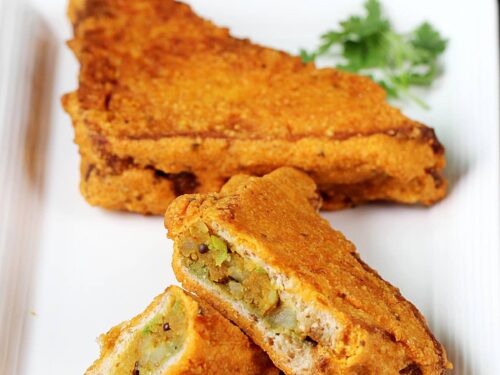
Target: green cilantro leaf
x=425 y=37
x=369 y=46
x=372 y=24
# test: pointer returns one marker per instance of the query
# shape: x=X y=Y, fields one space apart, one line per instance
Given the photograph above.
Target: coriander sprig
x=368 y=45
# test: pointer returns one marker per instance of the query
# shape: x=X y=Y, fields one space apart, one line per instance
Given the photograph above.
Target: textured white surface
x=69 y=272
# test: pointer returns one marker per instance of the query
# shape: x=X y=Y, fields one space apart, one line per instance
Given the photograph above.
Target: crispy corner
x=75 y=9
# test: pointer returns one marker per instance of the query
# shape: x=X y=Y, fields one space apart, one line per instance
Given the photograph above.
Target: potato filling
x=209 y=257
x=158 y=340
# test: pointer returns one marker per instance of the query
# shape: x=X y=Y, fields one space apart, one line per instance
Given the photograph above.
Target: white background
x=71 y=271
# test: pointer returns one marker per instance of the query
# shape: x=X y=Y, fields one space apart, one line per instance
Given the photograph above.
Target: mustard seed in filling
x=202 y=248
x=135 y=371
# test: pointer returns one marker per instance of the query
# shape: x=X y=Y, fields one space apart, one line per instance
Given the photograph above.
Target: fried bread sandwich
x=169 y=103
x=259 y=252
x=179 y=334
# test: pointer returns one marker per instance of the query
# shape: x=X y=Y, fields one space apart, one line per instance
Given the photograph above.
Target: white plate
x=69 y=272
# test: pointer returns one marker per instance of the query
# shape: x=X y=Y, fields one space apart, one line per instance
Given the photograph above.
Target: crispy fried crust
x=144 y=97
x=214 y=345
x=267 y=215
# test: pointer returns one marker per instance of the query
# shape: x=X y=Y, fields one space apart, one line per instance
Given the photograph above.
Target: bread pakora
x=169 y=103
x=259 y=252
x=179 y=334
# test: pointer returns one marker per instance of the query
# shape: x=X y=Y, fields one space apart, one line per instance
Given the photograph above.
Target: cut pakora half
x=179 y=334
x=169 y=103
x=259 y=252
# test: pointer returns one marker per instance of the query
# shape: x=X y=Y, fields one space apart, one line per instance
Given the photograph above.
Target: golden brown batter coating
x=211 y=344
x=353 y=322
x=163 y=89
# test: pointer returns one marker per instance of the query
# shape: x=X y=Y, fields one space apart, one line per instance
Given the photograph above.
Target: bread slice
x=164 y=91
x=259 y=252
x=179 y=334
